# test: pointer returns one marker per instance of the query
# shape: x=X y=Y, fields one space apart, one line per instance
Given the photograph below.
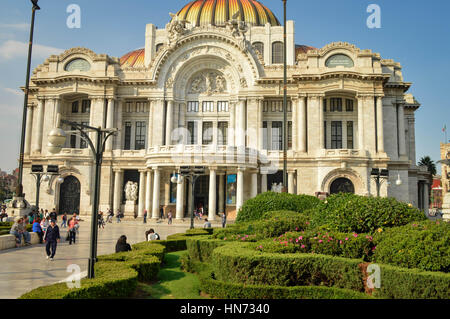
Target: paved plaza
x=27 y=268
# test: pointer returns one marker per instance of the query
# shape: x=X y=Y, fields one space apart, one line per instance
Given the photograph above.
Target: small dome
x=133 y=59
x=218 y=12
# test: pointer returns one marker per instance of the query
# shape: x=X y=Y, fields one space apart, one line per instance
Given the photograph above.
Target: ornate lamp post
x=191 y=174
x=57 y=138
x=19 y=189
x=379 y=176
x=285 y=123
x=38 y=172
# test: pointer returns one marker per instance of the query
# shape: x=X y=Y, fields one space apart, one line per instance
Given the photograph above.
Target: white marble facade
x=206 y=96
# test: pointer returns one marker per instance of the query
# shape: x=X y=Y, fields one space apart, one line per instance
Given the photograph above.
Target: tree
x=429 y=163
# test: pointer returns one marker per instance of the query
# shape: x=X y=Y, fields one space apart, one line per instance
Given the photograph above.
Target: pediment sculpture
x=208 y=83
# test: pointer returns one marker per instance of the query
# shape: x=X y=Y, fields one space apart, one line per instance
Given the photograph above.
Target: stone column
x=118 y=183
x=263 y=182
x=360 y=123
x=254 y=191
x=156 y=192
x=148 y=193
x=190 y=198
x=291 y=187
x=57 y=119
x=212 y=194
x=240 y=124
x=141 y=199
x=37 y=145
x=301 y=126
x=321 y=123
x=240 y=189
x=110 y=123
x=29 y=130
x=169 y=123
x=232 y=126
x=401 y=130
x=157 y=122
x=180 y=200
x=426 y=199
x=380 y=124
x=118 y=125
x=295 y=125
x=221 y=193
x=260 y=124
x=150 y=124
x=253 y=125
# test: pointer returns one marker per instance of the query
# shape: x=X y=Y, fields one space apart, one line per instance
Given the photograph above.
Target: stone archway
x=69 y=195
x=342 y=185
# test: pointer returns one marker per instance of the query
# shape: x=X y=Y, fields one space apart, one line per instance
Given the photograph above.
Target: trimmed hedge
x=254 y=209
x=226 y=290
x=200 y=248
x=360 y=214
x=422 y=245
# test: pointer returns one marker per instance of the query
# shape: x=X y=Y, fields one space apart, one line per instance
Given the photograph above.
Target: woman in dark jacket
x=122 y=244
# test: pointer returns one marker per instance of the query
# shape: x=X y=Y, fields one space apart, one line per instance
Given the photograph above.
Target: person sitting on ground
x=122 y=245
x=38 y=230
x=207 y=224
x=151 y=235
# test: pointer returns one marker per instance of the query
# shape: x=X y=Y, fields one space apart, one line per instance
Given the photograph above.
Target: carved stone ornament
x=209 y=83
x=131 y=191
x=176 y=28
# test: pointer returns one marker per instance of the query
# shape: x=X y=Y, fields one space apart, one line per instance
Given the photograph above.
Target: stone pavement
x=27 y=268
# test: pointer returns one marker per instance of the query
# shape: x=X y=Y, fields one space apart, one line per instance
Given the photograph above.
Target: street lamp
x=379 y=176
x=57 y=138
x=191 y=174
x=38 y=172
x=285 y=123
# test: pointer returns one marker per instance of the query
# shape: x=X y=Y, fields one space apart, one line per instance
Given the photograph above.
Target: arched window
x=259 y=46
x=342 y=185
x=277 y=52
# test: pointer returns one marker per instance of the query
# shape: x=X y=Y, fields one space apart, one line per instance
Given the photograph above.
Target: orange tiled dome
x=134 y=59
x=217 y=12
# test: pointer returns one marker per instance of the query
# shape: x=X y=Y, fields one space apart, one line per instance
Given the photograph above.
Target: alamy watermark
x=74 y=19
x=374 y=20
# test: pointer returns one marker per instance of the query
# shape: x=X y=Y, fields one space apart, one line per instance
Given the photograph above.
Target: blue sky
x=415 y=33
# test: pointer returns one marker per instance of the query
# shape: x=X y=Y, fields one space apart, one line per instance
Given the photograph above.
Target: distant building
x=436 y=192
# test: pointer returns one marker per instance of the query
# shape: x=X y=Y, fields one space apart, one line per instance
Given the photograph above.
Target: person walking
x=110 y=216
x=118 y=216
x=145 y=216
x=54 y=215
x=38 y=230
x=122 y=245
x=169 y=217
x=51 y=238
x=72 y=230
x=64 y=221
x=161 y=213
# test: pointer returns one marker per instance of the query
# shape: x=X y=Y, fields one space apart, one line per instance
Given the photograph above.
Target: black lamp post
x=19 y=189
x=38 y=172
x=379 y=176
x=192 y=174
x=57 y=139
x=285 y=122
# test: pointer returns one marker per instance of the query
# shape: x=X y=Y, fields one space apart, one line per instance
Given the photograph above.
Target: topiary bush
x=422 y=245
x=360 y=214
x=255 y=208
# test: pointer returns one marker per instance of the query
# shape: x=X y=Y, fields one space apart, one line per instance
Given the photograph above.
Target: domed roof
x=133 y=59
x=218 y=12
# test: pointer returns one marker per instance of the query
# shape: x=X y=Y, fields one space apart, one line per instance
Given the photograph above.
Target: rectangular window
x=350 y=144
x=73 y=138
x=173 y=189
x=223 y=133
x=222 y=106
x=266 y=106
x=265 y=130
x=207 y=134
x=192 y=128
x=349 y=105
x=140 y=136
x=83 y=143
x=86 y=106
x=325 y=105
x=335 y=105
x=208 y=106
x=336 y=135
x=277 y=136
x=129 y=107
x=325 y=134
x=140 y=107
x=75 y=107
x=127 y=145
x=192 y=106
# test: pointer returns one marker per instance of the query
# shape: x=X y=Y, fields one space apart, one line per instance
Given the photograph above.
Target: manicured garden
x=286 y=247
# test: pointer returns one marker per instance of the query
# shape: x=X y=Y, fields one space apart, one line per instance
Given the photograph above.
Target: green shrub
x=274 y=224
x=150 y=248
x=353 y=213
x=226 y=290
x=199 y=231
x=254 y=209
x=348 y=245
x=200 y=248
x=241 y=263
x=422 y=245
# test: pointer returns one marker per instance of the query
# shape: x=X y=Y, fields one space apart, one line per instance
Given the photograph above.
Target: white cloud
x=13 y=49
x=15 y=26
x=13 y=91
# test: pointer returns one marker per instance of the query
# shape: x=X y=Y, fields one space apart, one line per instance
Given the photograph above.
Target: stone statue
x=176 y=28
x=131 y=191
x=277 y=188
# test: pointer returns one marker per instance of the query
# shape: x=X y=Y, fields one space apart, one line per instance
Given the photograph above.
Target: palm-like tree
x=429 y=163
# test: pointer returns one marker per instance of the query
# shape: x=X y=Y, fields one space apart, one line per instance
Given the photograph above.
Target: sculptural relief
x=131 y=191
x=208 y=82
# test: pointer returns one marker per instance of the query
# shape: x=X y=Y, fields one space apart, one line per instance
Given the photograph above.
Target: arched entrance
x=342 y=185
x=69 y=196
